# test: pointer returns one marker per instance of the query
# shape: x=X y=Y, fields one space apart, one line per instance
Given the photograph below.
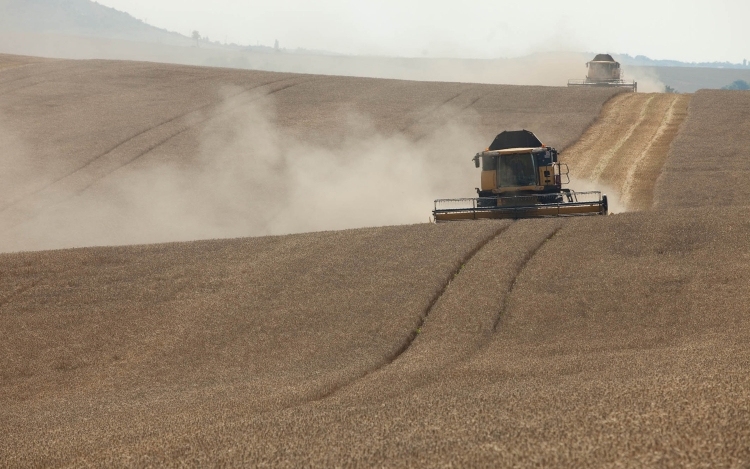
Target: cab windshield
x=516 y=170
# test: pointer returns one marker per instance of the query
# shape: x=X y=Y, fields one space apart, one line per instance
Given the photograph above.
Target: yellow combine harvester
x=521 y=178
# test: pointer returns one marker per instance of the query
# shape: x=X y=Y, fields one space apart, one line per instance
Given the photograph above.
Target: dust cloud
x=251 y=177
x=613 y=195
x=648 y=81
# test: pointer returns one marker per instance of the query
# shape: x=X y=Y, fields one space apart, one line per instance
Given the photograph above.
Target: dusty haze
x=194 y=153
x=251 y=177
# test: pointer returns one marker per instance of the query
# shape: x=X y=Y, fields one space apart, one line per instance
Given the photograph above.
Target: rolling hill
x=83 y=29
x=81 y=18
x=602 y=341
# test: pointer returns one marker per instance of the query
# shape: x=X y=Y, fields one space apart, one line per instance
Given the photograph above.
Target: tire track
x=442 y=114
x=414 y=333
x=129 y=139
x=431 y=306
x=429 y=113
x=463 y=327
x=125 y=152
x=527 y=259
x=15 y=67
x=13 y=80
x=165 y=140
x=21 y=88
x=446 y=118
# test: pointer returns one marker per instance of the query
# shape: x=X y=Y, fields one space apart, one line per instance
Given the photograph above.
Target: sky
x=688 y=30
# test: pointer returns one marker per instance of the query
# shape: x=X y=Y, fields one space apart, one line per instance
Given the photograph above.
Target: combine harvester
x=605 y=71
x=521 y=178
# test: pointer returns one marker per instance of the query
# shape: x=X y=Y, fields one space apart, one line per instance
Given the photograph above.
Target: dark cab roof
x=515 y=139
x=603 y=58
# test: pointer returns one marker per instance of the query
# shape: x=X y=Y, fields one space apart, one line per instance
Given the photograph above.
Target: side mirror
x=476 y=160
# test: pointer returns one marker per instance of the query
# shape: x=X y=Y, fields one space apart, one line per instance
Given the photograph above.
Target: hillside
x=82 y=29
x=80 y=18
x=585 y=342
x=121 y=153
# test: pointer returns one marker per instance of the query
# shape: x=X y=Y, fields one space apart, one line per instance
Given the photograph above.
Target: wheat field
x=600 y=342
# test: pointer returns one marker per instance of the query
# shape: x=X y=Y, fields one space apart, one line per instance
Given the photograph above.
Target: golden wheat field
x=170 y=298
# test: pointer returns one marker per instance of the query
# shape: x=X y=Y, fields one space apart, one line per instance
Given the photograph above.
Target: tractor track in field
x=423 y=317
x=514 y=280
x=14 y=67
x=414 y=333
x=429 y=113
x=483 y=341
x=458 y=111
x=442 y=112
x=193 y=118
x=134 y=137
x=186 y=129
x=13 y=80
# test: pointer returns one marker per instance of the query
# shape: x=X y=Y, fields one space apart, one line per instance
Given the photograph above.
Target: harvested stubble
x=625 y=149
x=709 y=162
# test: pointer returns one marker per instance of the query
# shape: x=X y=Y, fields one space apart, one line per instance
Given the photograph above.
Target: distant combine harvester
x=604 y=71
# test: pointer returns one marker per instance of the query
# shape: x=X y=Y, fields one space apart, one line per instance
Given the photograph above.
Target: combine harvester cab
x=521 y=178
x=605 y=71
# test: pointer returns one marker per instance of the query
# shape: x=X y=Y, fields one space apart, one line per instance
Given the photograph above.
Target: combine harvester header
x=605 y=71
x=521 y=178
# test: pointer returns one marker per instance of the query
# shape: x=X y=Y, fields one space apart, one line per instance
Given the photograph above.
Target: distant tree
x=276 y=45
x=197 y=37
x=738 y=85
x=669 y=89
